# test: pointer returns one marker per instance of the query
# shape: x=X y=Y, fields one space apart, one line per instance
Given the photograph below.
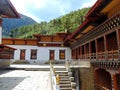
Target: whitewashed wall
x=0 y=35
x=42 y=53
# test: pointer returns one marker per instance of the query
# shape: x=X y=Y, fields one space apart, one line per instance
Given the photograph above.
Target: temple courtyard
x=25 y=79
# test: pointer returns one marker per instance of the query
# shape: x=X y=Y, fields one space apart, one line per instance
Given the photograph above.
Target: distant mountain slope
x=9 y=24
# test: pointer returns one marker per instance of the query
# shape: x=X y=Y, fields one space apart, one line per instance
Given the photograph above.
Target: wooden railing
x=108 y=26
x=108 y=55
x=108 y=59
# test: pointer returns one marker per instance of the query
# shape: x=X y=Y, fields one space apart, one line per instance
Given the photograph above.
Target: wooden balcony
x=109 y=64
x=109 y=25
x=108 y=59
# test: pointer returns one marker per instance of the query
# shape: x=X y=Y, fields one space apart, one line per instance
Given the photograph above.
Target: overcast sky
x=46 y=10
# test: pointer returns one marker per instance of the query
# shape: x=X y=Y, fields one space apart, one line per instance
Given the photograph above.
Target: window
x=33 y=54
x=62 y=54
x=22 y=54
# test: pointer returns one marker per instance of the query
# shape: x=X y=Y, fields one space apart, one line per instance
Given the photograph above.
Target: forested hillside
x=8 y=23
x=68 y=22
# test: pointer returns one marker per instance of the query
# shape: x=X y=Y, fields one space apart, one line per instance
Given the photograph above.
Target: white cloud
x=39 y=10
x=88 y=3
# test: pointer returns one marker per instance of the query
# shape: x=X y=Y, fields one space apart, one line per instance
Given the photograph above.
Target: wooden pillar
x=118 y=41
x=118 y=37
x=76 y=53
x=80 y=52
x=85 y=51
x=96 y=49
x=113 y=79
x=106 y=46
x=114 y=82
x=90 y=50
x=0 y=31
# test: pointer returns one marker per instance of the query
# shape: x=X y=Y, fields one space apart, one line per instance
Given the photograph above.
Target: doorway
x=22 y=55
x=51 y=54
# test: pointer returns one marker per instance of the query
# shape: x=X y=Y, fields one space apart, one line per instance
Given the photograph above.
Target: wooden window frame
x=60 y=56
x=33 y=54
x=22 y=51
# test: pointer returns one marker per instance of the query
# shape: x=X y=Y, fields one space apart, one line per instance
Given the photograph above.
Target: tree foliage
x=68 y=22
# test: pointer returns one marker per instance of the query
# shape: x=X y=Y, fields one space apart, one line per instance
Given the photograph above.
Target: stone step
x=65 y=88
x=65 y=85
x=61 y=73
x=64 y=77
x=65 y=82
x=37 y=69
x=60 y=69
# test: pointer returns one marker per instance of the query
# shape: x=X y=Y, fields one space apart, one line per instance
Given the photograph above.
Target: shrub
x=53 y=62
x=20 y=62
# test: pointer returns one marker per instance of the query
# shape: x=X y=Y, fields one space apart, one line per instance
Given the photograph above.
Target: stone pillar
x=0 y=32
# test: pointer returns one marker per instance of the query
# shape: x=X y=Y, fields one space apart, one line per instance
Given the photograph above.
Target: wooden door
x=51 y=54
x=22 y=55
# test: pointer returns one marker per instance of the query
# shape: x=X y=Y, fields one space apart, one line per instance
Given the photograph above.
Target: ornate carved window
x=62 y=54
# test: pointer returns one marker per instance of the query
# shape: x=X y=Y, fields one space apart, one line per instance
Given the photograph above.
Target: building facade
x=97 y=40
x=6 y=11
x=41 y=50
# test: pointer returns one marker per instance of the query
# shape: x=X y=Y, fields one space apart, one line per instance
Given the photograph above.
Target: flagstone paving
x=24 y=80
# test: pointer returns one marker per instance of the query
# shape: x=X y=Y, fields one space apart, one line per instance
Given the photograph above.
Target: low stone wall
x=4 y=63
x=86 y=78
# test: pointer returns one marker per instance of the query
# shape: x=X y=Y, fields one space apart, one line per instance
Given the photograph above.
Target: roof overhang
x=51 y=42
x=6 y=47
x=97 y=7
x=7 y=10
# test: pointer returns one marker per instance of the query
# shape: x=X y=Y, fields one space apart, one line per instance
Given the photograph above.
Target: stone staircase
x=66 y=79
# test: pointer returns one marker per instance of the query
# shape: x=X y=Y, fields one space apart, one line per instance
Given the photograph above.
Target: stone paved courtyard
x=24 y=80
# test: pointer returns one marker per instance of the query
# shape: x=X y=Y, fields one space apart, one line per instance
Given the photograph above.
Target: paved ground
x=24 y=80
x=34 y=66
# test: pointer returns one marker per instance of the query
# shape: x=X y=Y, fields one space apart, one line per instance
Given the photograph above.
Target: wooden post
x=0 y=31
x=118 y=41
x=90 y=50
x=114 y=82
x=96 y=49
x=85 y=52
x=106 y=47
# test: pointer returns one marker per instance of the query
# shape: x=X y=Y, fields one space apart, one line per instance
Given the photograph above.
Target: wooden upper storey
x=12 y=41
x=49 y=38
x=101 y=11
x=41 y=40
